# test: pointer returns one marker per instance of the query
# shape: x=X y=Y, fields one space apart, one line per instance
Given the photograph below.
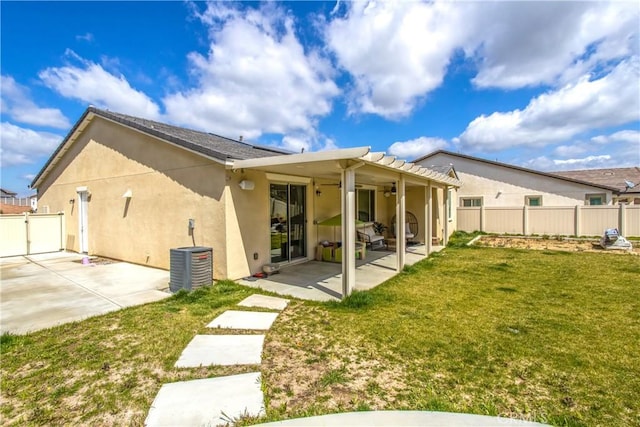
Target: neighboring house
x=132 y=189
x=494 y=184
x=625 y=180
x=6 y=194
x=10 y=203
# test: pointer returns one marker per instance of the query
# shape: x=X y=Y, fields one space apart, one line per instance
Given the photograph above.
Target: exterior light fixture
x=245 y=184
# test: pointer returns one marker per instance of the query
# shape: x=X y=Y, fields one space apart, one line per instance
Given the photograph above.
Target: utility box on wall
x=190 y=267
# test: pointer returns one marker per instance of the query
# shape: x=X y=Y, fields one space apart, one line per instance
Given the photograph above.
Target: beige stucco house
x=132 y=189
x=493 y=184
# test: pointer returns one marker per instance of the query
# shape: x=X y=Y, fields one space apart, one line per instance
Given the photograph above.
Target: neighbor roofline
x=518 y=168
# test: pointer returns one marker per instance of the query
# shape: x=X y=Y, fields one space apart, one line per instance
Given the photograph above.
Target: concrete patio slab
x=45 y=290
x=322 y=281
x=207 y=402
x=233 y=319
x=403 y=418
x=264 y=301
x=207 y=350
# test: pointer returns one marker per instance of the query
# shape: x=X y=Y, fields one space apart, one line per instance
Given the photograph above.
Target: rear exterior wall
x=168 y=185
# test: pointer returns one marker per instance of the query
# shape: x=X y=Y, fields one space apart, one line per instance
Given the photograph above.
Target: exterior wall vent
x=190 y=267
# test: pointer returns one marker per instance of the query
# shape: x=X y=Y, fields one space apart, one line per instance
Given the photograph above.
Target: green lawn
x=538 y=335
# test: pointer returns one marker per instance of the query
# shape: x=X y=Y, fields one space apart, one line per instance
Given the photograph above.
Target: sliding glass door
x=288 y=222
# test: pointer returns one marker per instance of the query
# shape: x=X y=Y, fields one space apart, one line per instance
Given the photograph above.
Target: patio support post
x=348 y=203
x=401 y=233
x=445 y=238
x=428 y=220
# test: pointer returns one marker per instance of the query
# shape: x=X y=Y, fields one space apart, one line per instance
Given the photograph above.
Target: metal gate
x=28 y=234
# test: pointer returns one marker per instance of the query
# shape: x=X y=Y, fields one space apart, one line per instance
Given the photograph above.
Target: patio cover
x=378 y=168
x=374 y=168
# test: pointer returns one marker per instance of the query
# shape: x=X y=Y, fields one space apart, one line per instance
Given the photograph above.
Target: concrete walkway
x=222 y=400
x=214 y=401
x=45 y=290
x=207 y=402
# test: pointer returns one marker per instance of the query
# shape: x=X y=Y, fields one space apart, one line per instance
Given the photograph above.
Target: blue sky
x=545 y=85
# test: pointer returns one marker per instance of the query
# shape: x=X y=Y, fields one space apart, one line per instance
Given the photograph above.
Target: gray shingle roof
x=612 y=177
x=201 y=142
x=207 y=144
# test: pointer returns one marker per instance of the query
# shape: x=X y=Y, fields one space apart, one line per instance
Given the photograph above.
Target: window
x=595 y=199
x=533 y=200
x=450 y=205
x=366 y=202
x=470 y=202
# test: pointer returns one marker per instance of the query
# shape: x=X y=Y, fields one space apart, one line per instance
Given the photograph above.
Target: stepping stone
x=207 y=402
x=233 y=319
x=264 y=301
x=207 y=350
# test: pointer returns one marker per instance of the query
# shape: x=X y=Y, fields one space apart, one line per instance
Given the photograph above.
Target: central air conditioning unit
x=190 y=267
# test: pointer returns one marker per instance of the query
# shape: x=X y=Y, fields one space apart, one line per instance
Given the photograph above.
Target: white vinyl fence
x=27 y=234
x=563 y=220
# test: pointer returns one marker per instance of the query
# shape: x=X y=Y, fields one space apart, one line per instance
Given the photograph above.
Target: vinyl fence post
x=622 y=219
x=26 y=224
x=525 y=220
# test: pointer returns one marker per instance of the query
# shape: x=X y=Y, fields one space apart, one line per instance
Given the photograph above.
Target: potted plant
x=379 y=228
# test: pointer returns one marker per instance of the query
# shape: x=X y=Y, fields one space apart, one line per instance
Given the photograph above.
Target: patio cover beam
x=401 y=230
x=428 y=218
x=348 y=208
x=412 y=172
x=445 y=238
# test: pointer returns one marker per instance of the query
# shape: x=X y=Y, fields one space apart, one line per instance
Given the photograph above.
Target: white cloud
x=570 y=150
x=418 y=147
x=396 y=52
x=630 y=136
x=87 y=37
x=544 y=163
x=589 y=160
x=256 y=78
x=560 y=115
x=23 y=146
x=517 y=44
x=295 y=143
x=16 y=103
x=403 y=48
x=91 y=83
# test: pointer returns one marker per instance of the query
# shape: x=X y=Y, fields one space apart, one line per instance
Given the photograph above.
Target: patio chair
x=410 y=227
x=370 y=238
